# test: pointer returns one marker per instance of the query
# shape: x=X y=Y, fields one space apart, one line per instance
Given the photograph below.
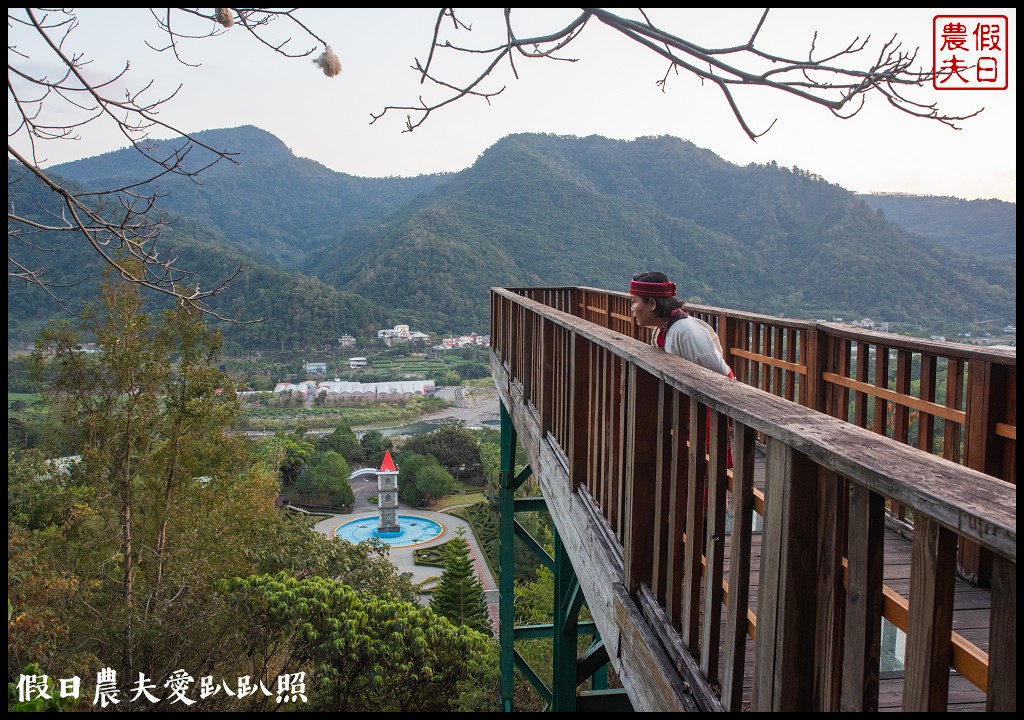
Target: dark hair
x=663 y=306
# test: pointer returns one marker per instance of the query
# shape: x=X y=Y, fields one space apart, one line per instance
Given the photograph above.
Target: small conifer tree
x=459 y=595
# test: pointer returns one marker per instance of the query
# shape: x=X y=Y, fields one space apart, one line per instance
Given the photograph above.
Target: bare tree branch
x=835 y=82
x=124 y=223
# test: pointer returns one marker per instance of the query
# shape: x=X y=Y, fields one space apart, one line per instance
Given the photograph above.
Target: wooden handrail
x=846 y=372
x=625 y=415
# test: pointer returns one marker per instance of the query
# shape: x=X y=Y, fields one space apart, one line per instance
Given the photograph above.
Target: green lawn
x=29 y=398
x=468 y=498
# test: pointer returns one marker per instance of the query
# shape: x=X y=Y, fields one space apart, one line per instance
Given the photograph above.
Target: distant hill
x=327 y=253
x=980 y=228
x=539 y=209
x=267 y=204
x=295 y=307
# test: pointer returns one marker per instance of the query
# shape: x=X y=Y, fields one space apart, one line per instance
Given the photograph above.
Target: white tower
x=387 y=496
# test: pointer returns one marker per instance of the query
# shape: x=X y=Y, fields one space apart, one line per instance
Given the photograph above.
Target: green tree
x=291 y=546
x=21 y=433
x=434 y=482
x=297 y=454
x=176 y=496
x=449 y=378
x=409 y=466
x=361 y=653
x=343 y=440
x=374 y=445
x=459 y=596
x=455 y=447
x=328 y=474
x=490 y=460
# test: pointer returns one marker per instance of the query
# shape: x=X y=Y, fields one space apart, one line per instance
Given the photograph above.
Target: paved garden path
x=402 y=557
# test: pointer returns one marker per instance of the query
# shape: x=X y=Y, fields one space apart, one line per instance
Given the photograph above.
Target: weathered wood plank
x=740 y=558
x=1002 y=679
x=931 y=617
x=696 y=474
x=714 y=542
x=863 y=601
x=831 y=610
x=641 y=467
x=784 y=675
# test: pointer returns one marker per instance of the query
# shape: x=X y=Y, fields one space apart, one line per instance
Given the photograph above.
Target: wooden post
x=787 y=590
x=930 y=618
x=641 y=466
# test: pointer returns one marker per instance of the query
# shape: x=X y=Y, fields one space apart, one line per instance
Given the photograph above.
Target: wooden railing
x=948 y=399
x=624 y=420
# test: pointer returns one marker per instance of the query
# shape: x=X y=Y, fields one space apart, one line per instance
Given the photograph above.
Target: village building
x=346 y=390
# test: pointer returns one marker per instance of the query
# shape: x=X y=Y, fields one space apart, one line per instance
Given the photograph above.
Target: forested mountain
x=267 y=204
x=294 y=306
x=981 y=228
x=539 y=210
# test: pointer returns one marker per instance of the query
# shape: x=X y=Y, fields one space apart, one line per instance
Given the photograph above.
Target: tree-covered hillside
x=295 y=307
x=268 y=204
x=980 y=228
x=325 y=254
x=546 y=210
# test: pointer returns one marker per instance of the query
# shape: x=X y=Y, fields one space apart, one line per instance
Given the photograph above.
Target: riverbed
x=475 y=406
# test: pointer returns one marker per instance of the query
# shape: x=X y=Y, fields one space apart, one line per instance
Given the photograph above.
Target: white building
x=301 y=389
x=315 y=368
x=347 y=390
x=466 y=341
x=401 y=333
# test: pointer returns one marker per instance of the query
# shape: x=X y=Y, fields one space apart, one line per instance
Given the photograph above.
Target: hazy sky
x=610 y=91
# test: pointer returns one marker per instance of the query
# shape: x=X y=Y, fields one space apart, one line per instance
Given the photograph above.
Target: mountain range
x=325 y=253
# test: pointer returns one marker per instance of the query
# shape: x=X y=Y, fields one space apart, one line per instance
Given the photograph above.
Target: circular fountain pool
x=413 y=530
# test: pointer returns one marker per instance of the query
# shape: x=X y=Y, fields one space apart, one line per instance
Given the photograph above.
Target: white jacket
x=693 y=339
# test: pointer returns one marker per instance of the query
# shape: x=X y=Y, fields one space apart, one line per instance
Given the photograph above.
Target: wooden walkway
x=971 y=619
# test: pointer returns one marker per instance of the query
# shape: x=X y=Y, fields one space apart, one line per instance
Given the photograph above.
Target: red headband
x=652 y=289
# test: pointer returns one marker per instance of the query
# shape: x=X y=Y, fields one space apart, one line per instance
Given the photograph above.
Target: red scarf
x=662 y=332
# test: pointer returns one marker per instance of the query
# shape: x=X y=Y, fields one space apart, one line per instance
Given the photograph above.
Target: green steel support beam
x=534 y=632
x=535 y=547
x=531 y=504
x=506 y=561
x=522 y=477
x=547 y=630
x=563 y=656
x=573 y=602
x=594 y=664
x=566 y=628
x=524 y=667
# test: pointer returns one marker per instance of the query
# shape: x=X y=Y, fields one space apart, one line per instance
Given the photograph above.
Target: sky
x=611 y=90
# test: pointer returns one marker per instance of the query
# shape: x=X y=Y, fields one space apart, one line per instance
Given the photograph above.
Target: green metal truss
x=568 y=671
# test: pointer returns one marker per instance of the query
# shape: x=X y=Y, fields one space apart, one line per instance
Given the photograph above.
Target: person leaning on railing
x=655 y=305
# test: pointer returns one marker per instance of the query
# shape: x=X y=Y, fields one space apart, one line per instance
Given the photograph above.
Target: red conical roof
x=388 y=465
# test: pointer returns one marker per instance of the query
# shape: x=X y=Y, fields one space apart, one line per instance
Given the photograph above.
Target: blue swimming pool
x=413 y=530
